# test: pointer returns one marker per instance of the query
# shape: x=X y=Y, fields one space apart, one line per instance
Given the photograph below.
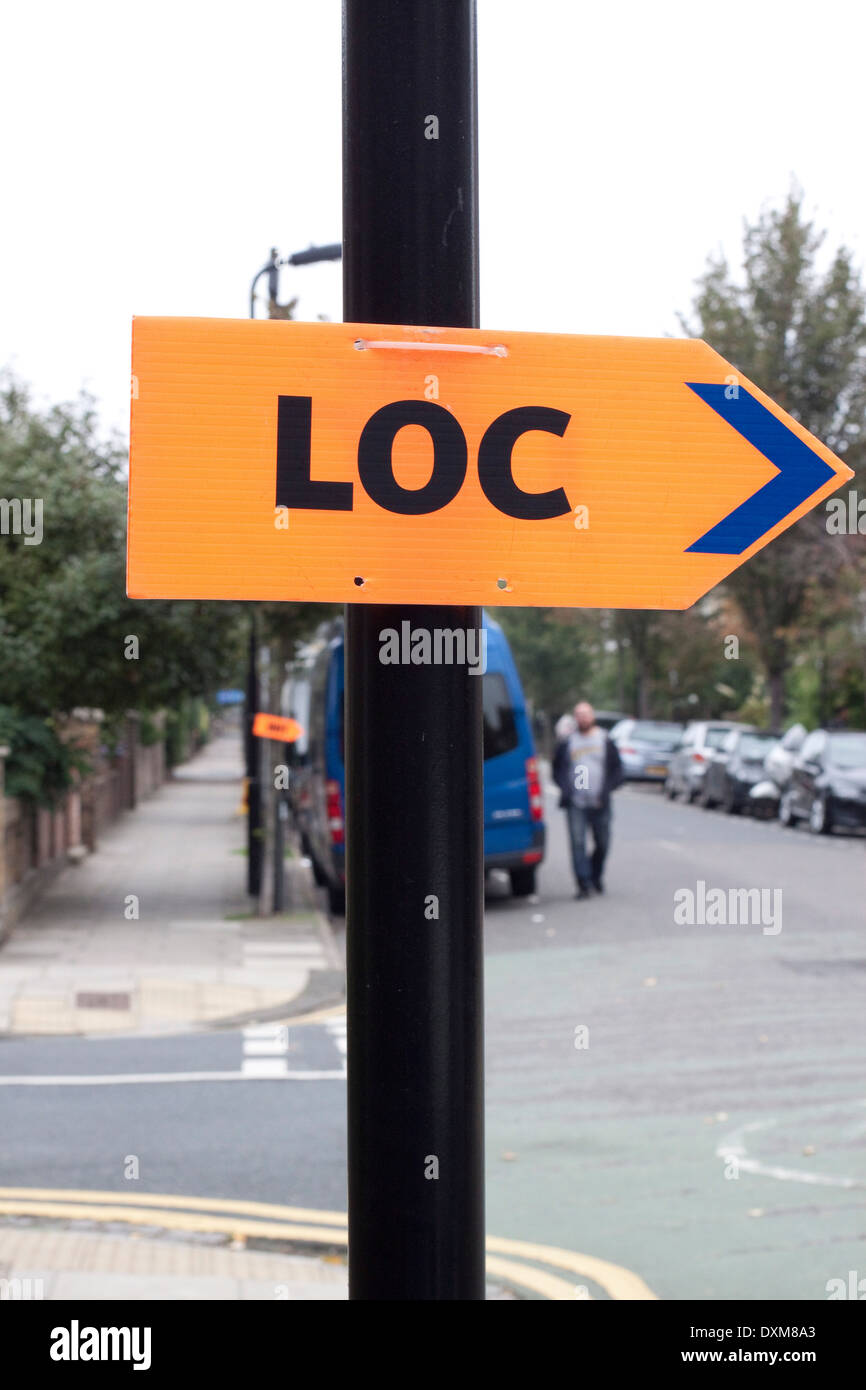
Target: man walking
x=587 y=768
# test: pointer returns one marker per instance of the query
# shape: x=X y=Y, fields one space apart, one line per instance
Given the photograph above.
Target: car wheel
x=819 y=817
x=670 y=789
x=704 y=798
x=692 y=795
x=522 y=881
x=786 y=809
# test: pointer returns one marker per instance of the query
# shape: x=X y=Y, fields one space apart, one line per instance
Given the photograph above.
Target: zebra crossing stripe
x=265 y=1049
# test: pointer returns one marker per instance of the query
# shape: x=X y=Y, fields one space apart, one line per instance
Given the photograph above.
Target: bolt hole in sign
x=276 y=460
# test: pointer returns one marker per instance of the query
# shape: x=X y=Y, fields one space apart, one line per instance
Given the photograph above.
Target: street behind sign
x=382 y=464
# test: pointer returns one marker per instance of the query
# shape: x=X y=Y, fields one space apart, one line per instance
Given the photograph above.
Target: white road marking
x=733 y=1147
x=265 y=1046
x=308 y=947
x=160 y=1077
x=264 y=1066
x=337 y=1028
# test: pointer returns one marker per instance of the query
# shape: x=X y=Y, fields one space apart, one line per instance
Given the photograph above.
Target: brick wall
x=36 y=842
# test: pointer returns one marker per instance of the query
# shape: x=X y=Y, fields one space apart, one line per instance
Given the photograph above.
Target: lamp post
x=332 y=252
x=255 y=811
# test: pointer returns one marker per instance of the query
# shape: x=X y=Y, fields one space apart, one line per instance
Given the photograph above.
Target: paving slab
x=194 y=954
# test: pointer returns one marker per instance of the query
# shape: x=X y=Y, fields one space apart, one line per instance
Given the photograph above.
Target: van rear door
x=507 y=819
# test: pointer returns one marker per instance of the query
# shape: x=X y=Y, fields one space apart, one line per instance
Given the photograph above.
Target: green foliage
x=799 y=332
x=39 y=765
x=150 y=729
x=64 y=615
x=184 y=730
x=551 y=649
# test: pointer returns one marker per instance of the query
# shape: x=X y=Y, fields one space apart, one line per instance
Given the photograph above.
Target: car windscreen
x=754 y=746
x=500 y=726
x=716 y=736
x=847 y=750
x=666 y=734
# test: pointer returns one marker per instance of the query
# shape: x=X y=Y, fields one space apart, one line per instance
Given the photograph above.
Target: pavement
x=105 y=1245
x=52 y=1263
x=675 y=1109
x=154 y=933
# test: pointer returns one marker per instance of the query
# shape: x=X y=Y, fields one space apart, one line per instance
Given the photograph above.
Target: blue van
x=514 y=830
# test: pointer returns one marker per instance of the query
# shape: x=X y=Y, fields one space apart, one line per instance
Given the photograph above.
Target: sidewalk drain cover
x=98 y=999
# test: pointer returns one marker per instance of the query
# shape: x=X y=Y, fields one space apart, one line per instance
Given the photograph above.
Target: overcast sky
x=154 y=152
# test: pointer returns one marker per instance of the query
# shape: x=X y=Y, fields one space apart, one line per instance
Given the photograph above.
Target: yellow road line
x=302 y=1223
x=178 y=1221
x=316 y=1016
x=158 y=1199
x=618 y=1281
x=538 y=1280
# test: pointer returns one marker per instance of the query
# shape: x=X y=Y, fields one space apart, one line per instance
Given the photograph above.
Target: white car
x=693 y=754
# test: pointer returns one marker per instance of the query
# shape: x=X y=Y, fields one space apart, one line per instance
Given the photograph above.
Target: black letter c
x=494 y=463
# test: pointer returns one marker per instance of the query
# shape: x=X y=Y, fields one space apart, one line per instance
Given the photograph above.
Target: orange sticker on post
x=384 y=464
x=276 y=727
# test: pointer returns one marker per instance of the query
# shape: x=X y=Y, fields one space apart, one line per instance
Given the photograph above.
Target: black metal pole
x=413 y=733
x=253 y=761
x=279 y=898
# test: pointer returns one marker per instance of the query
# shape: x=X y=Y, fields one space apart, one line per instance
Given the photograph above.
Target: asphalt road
x=713 y=1050
x=706 y=1043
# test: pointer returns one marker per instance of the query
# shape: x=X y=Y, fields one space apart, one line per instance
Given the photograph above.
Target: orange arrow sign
x=276 y=727
x=370 y=463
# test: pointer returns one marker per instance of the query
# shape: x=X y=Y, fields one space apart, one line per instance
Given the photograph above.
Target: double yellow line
x=524 y=1264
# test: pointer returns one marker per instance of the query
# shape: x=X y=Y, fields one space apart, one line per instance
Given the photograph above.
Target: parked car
x=828 y=782
x=514 y=829
x=780 y=759
x=692 y=755
x=737 y=767
x=645 y=747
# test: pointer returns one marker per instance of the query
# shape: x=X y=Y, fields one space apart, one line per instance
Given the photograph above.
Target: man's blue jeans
x=589 y=868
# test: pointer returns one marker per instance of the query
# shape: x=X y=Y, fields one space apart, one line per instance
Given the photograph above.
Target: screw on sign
x=276 y=727
x=276 y=460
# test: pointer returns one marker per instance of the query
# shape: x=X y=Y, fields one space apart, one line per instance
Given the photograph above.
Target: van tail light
x=698 y=758
x=536 y=800
x=334 y=808
x=630 y=751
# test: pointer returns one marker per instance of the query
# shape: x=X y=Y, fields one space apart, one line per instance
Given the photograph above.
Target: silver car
x=645 y=747
x=693 y=754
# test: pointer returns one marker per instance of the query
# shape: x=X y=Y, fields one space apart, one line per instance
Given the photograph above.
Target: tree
x=69 y=636
x=553 y=649
x=799 y=332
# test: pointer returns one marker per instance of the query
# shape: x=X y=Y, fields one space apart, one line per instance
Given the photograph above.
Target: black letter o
x=449 y=457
